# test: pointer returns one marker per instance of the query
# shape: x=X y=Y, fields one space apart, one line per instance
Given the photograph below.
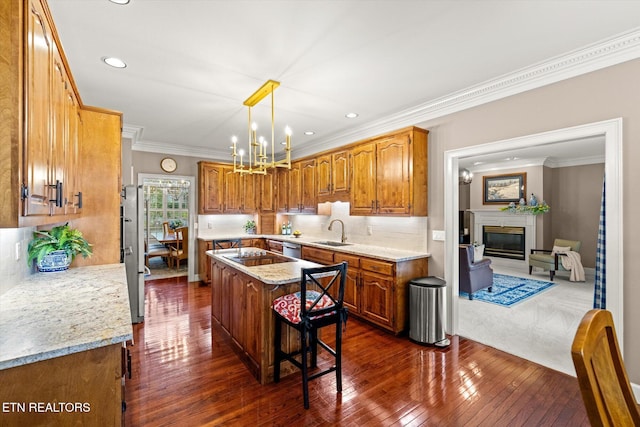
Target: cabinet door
x=377 y=298
x=253 y=323
x=268 y=192
x=340 y=175
x=210 y=193
x=308 y=187
x=231 y=193
x=295 y=188
x=351 y=291
x=38 y=104
x=249 y=194
x=237 y=309
x=323 y=174
x=216 y=290
x=393 y=181
x=282 y=196
x=225 y=295
x=73 y=185
x=363 y=173
x=58 y=133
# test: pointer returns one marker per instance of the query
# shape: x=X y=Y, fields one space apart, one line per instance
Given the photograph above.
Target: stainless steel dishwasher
x=292 y=250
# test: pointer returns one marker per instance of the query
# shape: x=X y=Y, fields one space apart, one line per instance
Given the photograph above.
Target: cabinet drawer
x=321 y=256
x=377 y=266
x=352 y=260
x=274 y=246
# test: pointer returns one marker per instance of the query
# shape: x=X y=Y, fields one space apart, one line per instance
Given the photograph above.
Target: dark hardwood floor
x=185 y=374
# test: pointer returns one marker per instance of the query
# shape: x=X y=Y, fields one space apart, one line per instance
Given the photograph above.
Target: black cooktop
x=255 y=260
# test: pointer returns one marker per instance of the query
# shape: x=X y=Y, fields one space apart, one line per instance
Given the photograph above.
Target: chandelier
x=465 y=177
x=177 y=189
x=258 y=160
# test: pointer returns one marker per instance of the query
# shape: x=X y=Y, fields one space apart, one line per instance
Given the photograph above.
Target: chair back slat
x=227 y=243
x=604 y=384
x=322 y=280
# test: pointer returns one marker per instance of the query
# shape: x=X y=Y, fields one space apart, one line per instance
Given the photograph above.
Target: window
x=167 y=200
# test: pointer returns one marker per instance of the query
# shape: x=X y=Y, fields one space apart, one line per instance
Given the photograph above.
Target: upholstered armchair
x=474 y=276
x=549 y=260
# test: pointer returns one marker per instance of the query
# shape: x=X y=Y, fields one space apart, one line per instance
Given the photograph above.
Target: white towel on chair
x=573 y=263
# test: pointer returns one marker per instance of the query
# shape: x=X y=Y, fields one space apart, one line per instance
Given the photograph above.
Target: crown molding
x=615 y=50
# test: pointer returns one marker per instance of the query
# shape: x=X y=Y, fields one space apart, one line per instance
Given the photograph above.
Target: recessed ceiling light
x=351 y=115
x=309 y=132
x=114 y=62
x=119 y=1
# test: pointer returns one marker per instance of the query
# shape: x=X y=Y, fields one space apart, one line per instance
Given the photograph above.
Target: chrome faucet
x=343 y=238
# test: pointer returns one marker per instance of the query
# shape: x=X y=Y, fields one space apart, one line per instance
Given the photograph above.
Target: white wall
x=13 y=271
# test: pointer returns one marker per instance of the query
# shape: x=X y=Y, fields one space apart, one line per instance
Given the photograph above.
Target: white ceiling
x=192 y=63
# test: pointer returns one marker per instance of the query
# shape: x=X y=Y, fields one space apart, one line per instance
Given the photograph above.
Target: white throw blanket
x=572 y=262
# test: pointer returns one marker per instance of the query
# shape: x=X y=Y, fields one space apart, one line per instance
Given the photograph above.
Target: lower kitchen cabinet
x=242 y=306
x=83 y=388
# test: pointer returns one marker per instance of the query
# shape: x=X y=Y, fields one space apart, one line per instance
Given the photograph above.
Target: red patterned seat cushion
x=288 y=306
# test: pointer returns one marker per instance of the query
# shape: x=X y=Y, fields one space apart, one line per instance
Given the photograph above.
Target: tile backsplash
x=392 y=232
x=13 y=271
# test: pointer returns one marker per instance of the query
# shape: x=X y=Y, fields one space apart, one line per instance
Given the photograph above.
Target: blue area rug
x=509 y=290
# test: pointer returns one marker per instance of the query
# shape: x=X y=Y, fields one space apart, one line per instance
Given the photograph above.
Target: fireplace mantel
x=499 y=218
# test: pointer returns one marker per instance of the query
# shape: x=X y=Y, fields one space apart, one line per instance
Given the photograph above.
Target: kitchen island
x=61 y=343
x=241 y=296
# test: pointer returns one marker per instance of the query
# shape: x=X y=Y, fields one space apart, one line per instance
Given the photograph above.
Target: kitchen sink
x=330 y=243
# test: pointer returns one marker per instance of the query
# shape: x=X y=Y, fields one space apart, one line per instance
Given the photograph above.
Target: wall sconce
x=465 y=177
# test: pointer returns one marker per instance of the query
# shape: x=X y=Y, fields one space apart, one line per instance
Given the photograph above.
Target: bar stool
x=322 y=289
x=227 y=243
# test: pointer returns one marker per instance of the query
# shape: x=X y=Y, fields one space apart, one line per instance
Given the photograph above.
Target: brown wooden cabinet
x=242 y=306
x=267 y=185
x=282 y=190
x=274 y=246
x=210 y=191
x=389 y=175
x=93 y=378
x=295 y=188
x=332 y=176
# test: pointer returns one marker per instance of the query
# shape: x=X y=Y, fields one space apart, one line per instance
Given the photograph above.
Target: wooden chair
x=604 y=383
x=181 y=249
x=165 y=230
x=156 y=249
x=227 y=243
x=321 y=308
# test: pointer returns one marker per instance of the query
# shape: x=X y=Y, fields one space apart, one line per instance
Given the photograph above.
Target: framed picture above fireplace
x=504 y=188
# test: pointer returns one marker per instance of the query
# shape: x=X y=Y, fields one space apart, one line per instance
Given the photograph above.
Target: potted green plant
x=250 y=227
x=55 y=249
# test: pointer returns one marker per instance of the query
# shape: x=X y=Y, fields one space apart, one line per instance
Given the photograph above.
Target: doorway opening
x=611 y=130
x=168 y=206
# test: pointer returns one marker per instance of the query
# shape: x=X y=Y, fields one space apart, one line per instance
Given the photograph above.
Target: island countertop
x=55 y=314
x=271 y=274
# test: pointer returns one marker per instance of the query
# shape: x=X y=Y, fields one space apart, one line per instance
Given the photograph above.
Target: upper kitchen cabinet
x=210 y=191
x=267 y=188
x=41 y=126
x=332 y=176
x=302 y=187
x=389 y=175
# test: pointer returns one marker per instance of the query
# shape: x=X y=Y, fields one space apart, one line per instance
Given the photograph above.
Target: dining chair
x=165 y=229
x=181 y=249
x=227 y=243
x=604 y=384
x=322 y=290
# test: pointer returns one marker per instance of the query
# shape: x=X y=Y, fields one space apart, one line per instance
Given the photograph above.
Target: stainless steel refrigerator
x=132 y=247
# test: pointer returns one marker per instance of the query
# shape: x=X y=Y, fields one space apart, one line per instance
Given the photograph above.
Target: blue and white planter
x=54 y=261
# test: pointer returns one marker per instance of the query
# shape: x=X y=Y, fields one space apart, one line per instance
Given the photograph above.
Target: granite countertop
x=271 y=274
x=378 y=252
x=55 y=314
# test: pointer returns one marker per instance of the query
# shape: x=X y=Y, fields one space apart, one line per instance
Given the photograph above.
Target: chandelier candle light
x=258 y=159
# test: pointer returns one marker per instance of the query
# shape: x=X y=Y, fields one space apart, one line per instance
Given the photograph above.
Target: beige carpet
x=160 y=270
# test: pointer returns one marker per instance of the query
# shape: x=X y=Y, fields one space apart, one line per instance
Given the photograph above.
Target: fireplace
x=521 y=238
x=504 y=241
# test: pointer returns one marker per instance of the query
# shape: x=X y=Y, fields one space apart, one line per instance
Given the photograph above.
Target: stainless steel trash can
x=426 y=316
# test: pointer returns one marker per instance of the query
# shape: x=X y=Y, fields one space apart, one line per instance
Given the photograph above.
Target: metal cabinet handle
x=58 y=189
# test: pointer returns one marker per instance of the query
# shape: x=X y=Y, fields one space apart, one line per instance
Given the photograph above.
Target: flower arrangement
x=175 y=223
x=527 y=209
